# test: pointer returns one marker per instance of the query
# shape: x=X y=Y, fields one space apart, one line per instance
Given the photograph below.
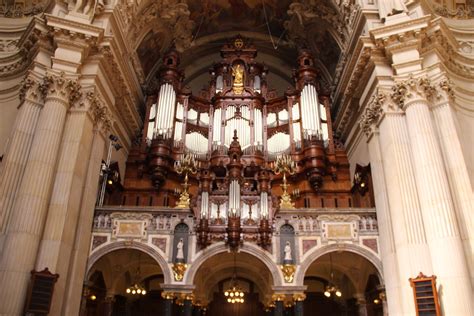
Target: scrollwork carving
x=372 y=113
x=98 y=111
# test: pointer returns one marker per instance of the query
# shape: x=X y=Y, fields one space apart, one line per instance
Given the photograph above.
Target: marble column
x=439 y=217
x=278 y=309
x=30 y=207
x=361 y=304
x=80 y=251
x=298 y=308
x=168 y=303
x=58 y=237
x=16 y=156
x=411 y=249
x=188 y=306
x=458 y=176
x=298 y=299
x=386 y=238
x=109 y=304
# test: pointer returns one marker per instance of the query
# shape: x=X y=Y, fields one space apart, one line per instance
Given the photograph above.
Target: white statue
x=287 y=252
x=179 y=250
x=391 y=7
x=363 y=222
x=371 y=223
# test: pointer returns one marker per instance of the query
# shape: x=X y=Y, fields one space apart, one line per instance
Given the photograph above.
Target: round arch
x=317 y=253
x=137 y=246
x=250 y=249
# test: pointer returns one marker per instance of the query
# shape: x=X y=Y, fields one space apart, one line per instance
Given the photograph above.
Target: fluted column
x=458 y=176
x=13 y=164
x=372 y=115
x=62 y=219
x=449 y=263
x=80 y=251
x=411 y=249
x=29 y=210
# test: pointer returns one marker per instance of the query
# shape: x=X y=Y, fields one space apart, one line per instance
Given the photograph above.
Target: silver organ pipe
x=278 y=143
x=264 y=205
x=309 y=104
x=152 y=124
x=165 y=110
x=216 y=129
x=258 y=127
x=296 y=126
x=324 y=126
x=204 y=204
x=234 y=197
x=196 y=143
x=214 y=208
x=314 y=106
x=178 y=125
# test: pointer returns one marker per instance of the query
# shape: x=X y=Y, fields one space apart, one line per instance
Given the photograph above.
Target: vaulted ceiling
x=276 y=27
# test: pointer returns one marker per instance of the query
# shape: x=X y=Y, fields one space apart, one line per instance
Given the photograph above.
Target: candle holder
x=187 y=164
x=285 y=165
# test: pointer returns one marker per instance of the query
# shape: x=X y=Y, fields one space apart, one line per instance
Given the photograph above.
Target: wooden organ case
x=236 y=130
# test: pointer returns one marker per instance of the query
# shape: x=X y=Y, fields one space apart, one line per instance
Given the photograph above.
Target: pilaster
x=449 y=264
x=57 y=241
x=29 y=210
x=81 y=245
x=445 y=124
x=368 y=122
x=411 y=249
x=20 y=142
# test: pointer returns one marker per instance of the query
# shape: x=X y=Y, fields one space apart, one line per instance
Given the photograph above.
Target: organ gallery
x=236 y=157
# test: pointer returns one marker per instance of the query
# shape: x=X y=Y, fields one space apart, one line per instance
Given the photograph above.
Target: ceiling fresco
x=276 y=27
x=210 y=16
x=149 y=51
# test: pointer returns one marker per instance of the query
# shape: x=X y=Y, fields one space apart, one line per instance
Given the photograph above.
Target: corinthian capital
x=445 y=90
x=98 y=111
x=411 y=89
x=372 y=113
x=58 y=86
x=29 y=89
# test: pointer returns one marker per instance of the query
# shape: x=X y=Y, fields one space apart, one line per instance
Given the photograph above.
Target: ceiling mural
x=149 y=51
x=244 y=15
x=282 y=26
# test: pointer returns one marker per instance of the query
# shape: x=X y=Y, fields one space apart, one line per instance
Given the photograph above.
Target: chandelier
x=234 y=293
x=331 y=288
x=136 y=289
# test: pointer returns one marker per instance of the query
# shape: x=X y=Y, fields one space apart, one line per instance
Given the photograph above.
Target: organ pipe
x=204 y=204
x=264 y=205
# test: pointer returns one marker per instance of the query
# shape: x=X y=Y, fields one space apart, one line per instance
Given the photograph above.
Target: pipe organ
x=236 y=129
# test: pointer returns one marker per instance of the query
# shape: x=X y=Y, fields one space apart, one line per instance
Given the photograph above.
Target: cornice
x=400 y=28
x=357 y=66
x=88 y=30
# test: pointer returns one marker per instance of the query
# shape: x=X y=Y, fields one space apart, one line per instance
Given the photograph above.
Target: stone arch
x=317 y=253
x=134 y=245
x=251 y=249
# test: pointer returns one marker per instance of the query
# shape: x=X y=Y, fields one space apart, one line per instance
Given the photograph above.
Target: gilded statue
x=238 y=74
